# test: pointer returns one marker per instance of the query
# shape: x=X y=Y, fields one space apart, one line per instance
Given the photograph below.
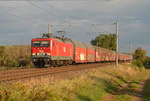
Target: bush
x=147 y=63
x=15 y=56
x=137 y=63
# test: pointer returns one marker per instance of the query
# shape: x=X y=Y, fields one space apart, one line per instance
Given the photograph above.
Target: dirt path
x=139 y=96
x=131 y=91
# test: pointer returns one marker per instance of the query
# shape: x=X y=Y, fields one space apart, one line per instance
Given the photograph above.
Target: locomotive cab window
x=40 y=43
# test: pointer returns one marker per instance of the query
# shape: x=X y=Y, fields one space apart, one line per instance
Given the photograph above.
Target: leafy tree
x=137 y=63
x=147 y=63
x=140 y=54
x=107 y=41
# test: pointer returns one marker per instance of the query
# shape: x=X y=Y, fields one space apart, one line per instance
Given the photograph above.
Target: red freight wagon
x=98 y=54
x=102 y=54
x=90 y=53
x=109 y=55
x=61 y=49
x=111 y=59
x=114 y=56
x=120 y=57
x=105 y=55
x=80 y=52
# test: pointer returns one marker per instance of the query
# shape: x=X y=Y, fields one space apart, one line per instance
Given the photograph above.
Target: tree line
x=107 y=41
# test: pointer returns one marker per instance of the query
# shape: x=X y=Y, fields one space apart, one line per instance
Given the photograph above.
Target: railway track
x=21 y=74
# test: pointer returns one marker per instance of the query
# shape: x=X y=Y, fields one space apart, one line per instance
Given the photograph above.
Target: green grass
x=124 y=97
x=134 y=85
x=147 y=91
x=94 y=86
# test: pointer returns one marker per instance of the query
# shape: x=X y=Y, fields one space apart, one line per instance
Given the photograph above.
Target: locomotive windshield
x=40 y=43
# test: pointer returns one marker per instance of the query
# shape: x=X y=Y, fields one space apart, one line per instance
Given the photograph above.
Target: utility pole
x=130 y=47
x=117 y=42
x=97 y=43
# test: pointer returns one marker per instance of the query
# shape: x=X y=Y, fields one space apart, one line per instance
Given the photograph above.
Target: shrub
x=15 y=56
x=137 y=63
x=147 y=63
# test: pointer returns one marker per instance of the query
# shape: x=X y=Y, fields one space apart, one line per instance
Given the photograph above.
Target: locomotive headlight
x=48 y=53
x=33 y=53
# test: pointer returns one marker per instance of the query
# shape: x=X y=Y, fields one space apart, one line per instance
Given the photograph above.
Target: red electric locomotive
x=51 y=51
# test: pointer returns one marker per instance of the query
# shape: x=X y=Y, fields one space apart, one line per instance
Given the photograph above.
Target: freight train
x=55 y=51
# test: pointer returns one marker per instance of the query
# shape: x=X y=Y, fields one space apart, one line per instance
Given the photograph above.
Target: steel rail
x=11 y=75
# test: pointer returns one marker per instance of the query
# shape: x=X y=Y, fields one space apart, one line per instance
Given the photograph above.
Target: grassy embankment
x=117 y=84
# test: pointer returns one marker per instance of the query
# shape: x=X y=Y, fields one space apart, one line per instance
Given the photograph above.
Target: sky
x=83 y=20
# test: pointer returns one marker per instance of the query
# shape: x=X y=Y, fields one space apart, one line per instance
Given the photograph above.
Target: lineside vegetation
x=97 y=85
x=15 y=56
x=147 y=90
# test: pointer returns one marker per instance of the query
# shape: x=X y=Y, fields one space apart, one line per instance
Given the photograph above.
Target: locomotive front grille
x=41 y=58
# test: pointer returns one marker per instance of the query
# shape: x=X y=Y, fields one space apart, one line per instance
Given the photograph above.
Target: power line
x=35 y=5
x=12 y=13
x=100 y=26
x=130 y=47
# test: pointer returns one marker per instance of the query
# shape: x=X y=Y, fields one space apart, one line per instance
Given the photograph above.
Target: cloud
x=22 y=20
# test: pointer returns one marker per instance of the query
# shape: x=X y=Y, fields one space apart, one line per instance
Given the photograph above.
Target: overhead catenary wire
x=48 y=12
x=11 y=12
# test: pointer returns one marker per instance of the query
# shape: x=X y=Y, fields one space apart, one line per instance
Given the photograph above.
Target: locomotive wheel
x=36 y=64
x=70 y=62
x=65 y=62
x=42 y=64
x=55 y=63
x=39 y=64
